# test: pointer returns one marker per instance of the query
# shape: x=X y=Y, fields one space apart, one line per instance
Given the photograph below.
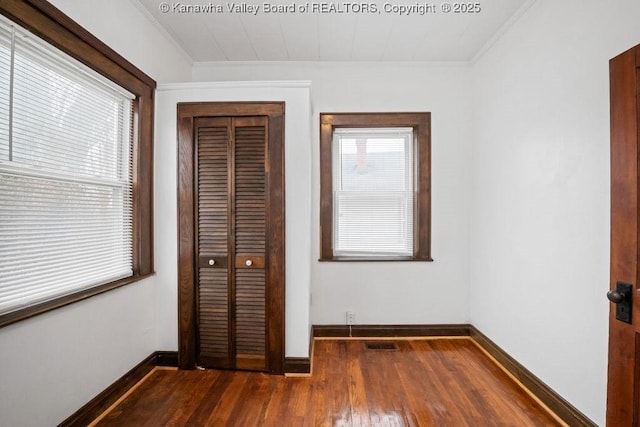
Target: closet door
x=213 y=297
x=231 y=242
x=231 y=235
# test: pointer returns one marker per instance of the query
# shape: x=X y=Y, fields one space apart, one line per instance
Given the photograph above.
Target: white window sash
x=373 y=221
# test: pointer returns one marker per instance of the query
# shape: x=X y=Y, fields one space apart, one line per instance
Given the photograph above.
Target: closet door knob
x=248 y=263
x=212 y=262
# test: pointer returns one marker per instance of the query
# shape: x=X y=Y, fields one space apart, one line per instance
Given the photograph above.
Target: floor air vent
x=381 y=346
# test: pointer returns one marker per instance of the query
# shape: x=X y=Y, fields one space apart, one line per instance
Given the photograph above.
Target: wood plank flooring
x=428 y=382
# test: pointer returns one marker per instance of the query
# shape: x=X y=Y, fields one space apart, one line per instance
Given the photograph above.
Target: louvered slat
x=250 y=312
x=250 y=239
x=213 y=298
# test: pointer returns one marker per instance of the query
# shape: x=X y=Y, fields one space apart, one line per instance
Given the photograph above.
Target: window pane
x=373 y=192
x=374 y=164
x=57 y=237
x=370 y=223
x=66 y=220
x=63 y=119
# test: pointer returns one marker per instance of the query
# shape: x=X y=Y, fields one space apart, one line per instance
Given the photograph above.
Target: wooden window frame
x=56 y=28
x=421 y=124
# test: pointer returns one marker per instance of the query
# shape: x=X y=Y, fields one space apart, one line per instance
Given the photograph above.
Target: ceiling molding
x=282 y=84
x=222 y=64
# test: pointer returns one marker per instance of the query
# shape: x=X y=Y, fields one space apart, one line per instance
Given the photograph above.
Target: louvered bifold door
x=231 y=242
x=212 y=242
x=250 y=134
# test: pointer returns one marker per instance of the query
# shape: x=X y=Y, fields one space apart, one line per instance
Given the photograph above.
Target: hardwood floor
x=426 y=382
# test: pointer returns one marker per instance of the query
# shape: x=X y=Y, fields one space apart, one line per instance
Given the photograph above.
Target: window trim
x=56 y=28
x=421 y=124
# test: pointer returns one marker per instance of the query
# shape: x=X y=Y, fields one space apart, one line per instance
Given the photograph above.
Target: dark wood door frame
x=275 y=275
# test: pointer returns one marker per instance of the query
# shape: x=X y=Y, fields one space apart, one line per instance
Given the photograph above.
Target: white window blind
x=373 y=192
x=65 y=174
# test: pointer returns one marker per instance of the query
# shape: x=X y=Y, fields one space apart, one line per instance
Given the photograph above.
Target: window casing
x=375 y=181
x=75 y=164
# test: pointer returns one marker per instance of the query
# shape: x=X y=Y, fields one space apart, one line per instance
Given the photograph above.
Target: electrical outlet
x=350 y=317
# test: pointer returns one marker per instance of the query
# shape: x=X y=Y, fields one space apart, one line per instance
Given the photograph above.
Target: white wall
x=53 y=364
x=298 y=200
x=129 y=29
x=540 y=230
x=389 y=293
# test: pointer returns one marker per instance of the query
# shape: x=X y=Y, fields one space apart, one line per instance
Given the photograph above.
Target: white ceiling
x=233 y=36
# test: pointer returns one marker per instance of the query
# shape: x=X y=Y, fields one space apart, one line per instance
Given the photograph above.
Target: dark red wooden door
x=623 y=394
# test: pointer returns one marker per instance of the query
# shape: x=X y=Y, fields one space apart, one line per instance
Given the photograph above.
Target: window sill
x=375 y=259
x=34 y=310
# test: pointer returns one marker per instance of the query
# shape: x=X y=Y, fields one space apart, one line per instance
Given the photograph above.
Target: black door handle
x=615 y=296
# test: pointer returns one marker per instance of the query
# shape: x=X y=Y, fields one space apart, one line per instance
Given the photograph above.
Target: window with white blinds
x=65 y=174
x=373 y=188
